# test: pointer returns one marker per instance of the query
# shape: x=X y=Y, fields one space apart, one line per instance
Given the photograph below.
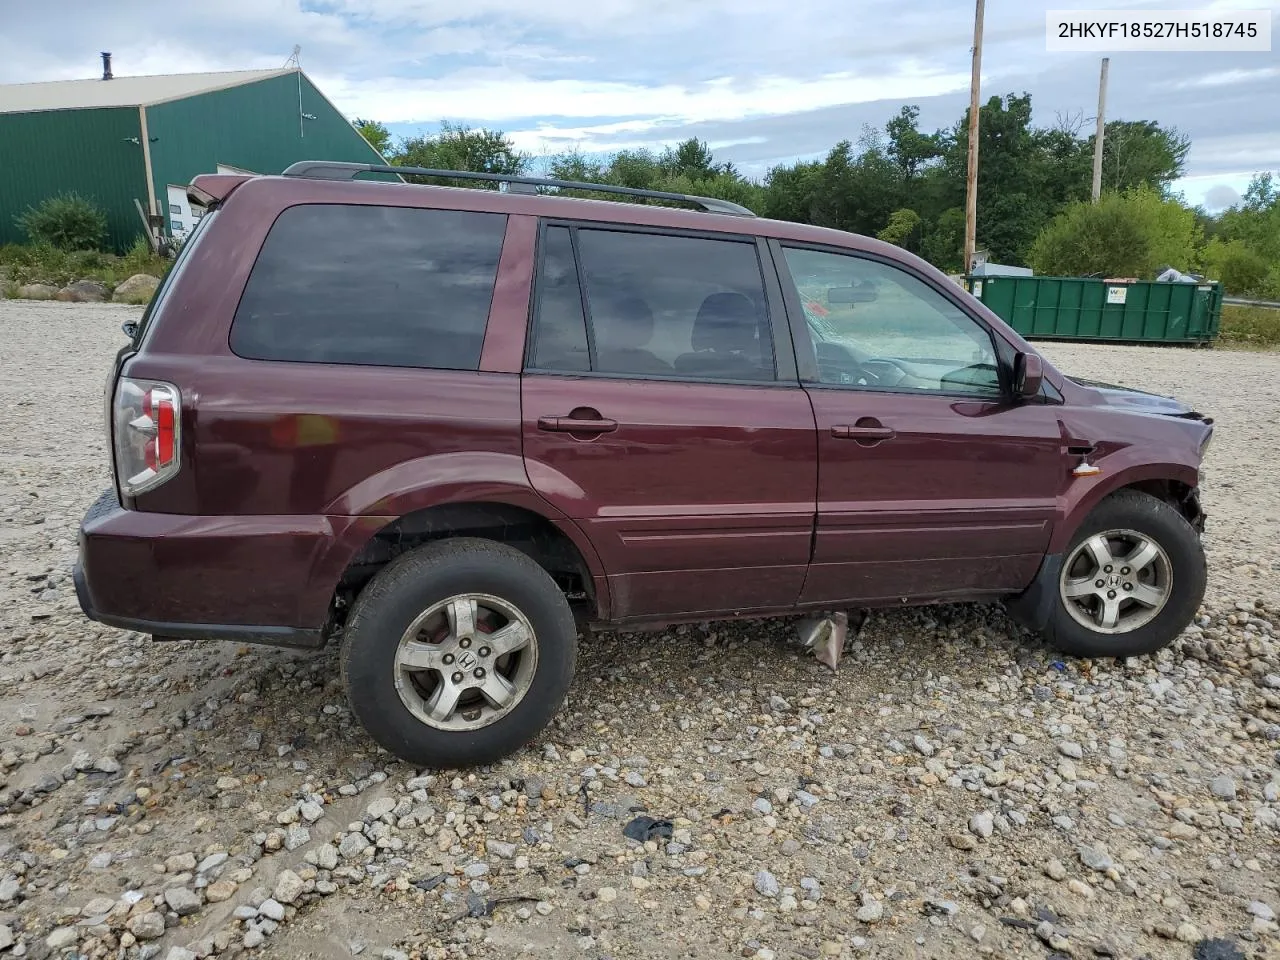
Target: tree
x=1129 y=234
x=376 y=133
x=1141 y=153
x=902 y=224
x=458 y=147
x=1245 y=252
x=908 y=148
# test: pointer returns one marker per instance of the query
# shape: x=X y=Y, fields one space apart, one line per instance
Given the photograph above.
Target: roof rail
x=335 y=170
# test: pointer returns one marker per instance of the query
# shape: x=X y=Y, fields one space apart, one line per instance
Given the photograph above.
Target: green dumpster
x=1074 y=308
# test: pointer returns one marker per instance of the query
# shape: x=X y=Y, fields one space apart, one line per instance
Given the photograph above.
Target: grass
x=20 y=264
x=1257 y=327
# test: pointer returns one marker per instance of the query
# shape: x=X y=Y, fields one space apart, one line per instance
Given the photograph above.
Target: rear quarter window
x=381 y=286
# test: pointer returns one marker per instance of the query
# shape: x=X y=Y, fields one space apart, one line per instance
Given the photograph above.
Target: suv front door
x=659 y=414
x=933 y=482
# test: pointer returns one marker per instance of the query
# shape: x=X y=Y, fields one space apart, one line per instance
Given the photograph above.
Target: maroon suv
x=447 y=426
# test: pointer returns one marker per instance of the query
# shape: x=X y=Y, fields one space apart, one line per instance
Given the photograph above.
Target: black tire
x=1162 y=523
x=410 y=585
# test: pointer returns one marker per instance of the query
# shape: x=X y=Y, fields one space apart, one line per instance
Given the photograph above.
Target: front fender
x=1085 y=493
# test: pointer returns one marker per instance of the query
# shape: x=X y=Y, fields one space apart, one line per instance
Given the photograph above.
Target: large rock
x=83 y=291
x=37 y=291
x=139 y=288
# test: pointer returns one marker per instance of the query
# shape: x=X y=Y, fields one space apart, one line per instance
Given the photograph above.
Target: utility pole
x=971 y=185
x=1102 y=126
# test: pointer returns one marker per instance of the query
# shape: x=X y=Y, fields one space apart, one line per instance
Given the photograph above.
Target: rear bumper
x=253 y=579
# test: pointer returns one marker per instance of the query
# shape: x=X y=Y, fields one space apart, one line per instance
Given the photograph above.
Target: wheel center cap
x=467 y=660
x=1113 y=580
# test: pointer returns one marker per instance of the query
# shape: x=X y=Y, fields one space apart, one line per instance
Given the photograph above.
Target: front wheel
x=1131 y=580
x=458 y=653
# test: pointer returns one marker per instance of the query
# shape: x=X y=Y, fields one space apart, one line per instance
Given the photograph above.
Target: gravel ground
x=956 y=790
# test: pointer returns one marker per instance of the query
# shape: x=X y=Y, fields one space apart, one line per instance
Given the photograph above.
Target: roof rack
x=334 y=170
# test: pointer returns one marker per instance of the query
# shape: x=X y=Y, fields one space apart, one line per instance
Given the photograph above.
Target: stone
x=326 y=856
x=1071 y=749
x=182 y=901
x=607 y=894
x=37 y=291
x=147 y=926
x=500 y=849
x=1260 y=910
x=962 y=841
x=107 y=765
x=211 y=862
x=253 y=938
x=380 y=808
x=180 y=863
x=288 y=887
x=62 y=937
x=445 y=839
x=310 y=811
x=83 y=291
x=97 y=907
x=983 y=824
x=296 y=836
x=923 y=746
x=138 y=289
x=872 y=912
x=6 y=937
x=220 y=891
x=353 y=845
x=180 y=953
x=1096 y=858
x=1054 y=870
x=9 y=889
x=762 y=806
x=766 y=884
x=1223 y=786
x=272 y=909
x=476 y=870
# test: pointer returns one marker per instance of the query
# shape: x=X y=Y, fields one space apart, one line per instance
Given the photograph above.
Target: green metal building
x=132 y=144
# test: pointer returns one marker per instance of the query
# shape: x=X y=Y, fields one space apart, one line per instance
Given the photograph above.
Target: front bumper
x=253 y=579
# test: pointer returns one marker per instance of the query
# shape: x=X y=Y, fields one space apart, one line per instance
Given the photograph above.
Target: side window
x=559 y=328
x=384 y=286
x=658 y=305
x=876 y=327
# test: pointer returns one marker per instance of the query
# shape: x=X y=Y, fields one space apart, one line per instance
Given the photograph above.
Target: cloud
x=1220 y=197
x=764 y=82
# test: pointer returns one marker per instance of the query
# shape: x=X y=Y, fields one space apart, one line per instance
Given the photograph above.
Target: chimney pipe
x=106 y=64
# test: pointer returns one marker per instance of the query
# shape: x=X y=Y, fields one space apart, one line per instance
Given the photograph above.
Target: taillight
x=148 y=422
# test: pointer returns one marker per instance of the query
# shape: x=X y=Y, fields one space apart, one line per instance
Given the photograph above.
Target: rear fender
x=413 y=485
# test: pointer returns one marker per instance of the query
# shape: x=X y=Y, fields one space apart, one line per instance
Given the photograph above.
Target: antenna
x=295 y=61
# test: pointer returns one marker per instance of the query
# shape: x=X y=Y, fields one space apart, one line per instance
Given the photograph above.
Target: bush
x=1129 y=234
x=1243 y=271
x=67 y=222
x=43 y=263
x=1251 y=326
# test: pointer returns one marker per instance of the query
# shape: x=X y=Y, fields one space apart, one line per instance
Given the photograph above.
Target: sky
x=762 y=81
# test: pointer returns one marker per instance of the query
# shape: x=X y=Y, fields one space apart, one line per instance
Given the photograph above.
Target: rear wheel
x=1131 y=580
x=458 y=653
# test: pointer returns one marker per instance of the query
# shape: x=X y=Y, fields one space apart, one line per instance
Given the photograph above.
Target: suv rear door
x=933 y=481
x=662 y=412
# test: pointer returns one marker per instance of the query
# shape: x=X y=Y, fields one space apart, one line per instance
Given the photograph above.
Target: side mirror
x=1028 y=374
x=130 y=328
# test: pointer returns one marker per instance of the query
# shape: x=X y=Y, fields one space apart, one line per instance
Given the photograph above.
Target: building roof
x=122 y=91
